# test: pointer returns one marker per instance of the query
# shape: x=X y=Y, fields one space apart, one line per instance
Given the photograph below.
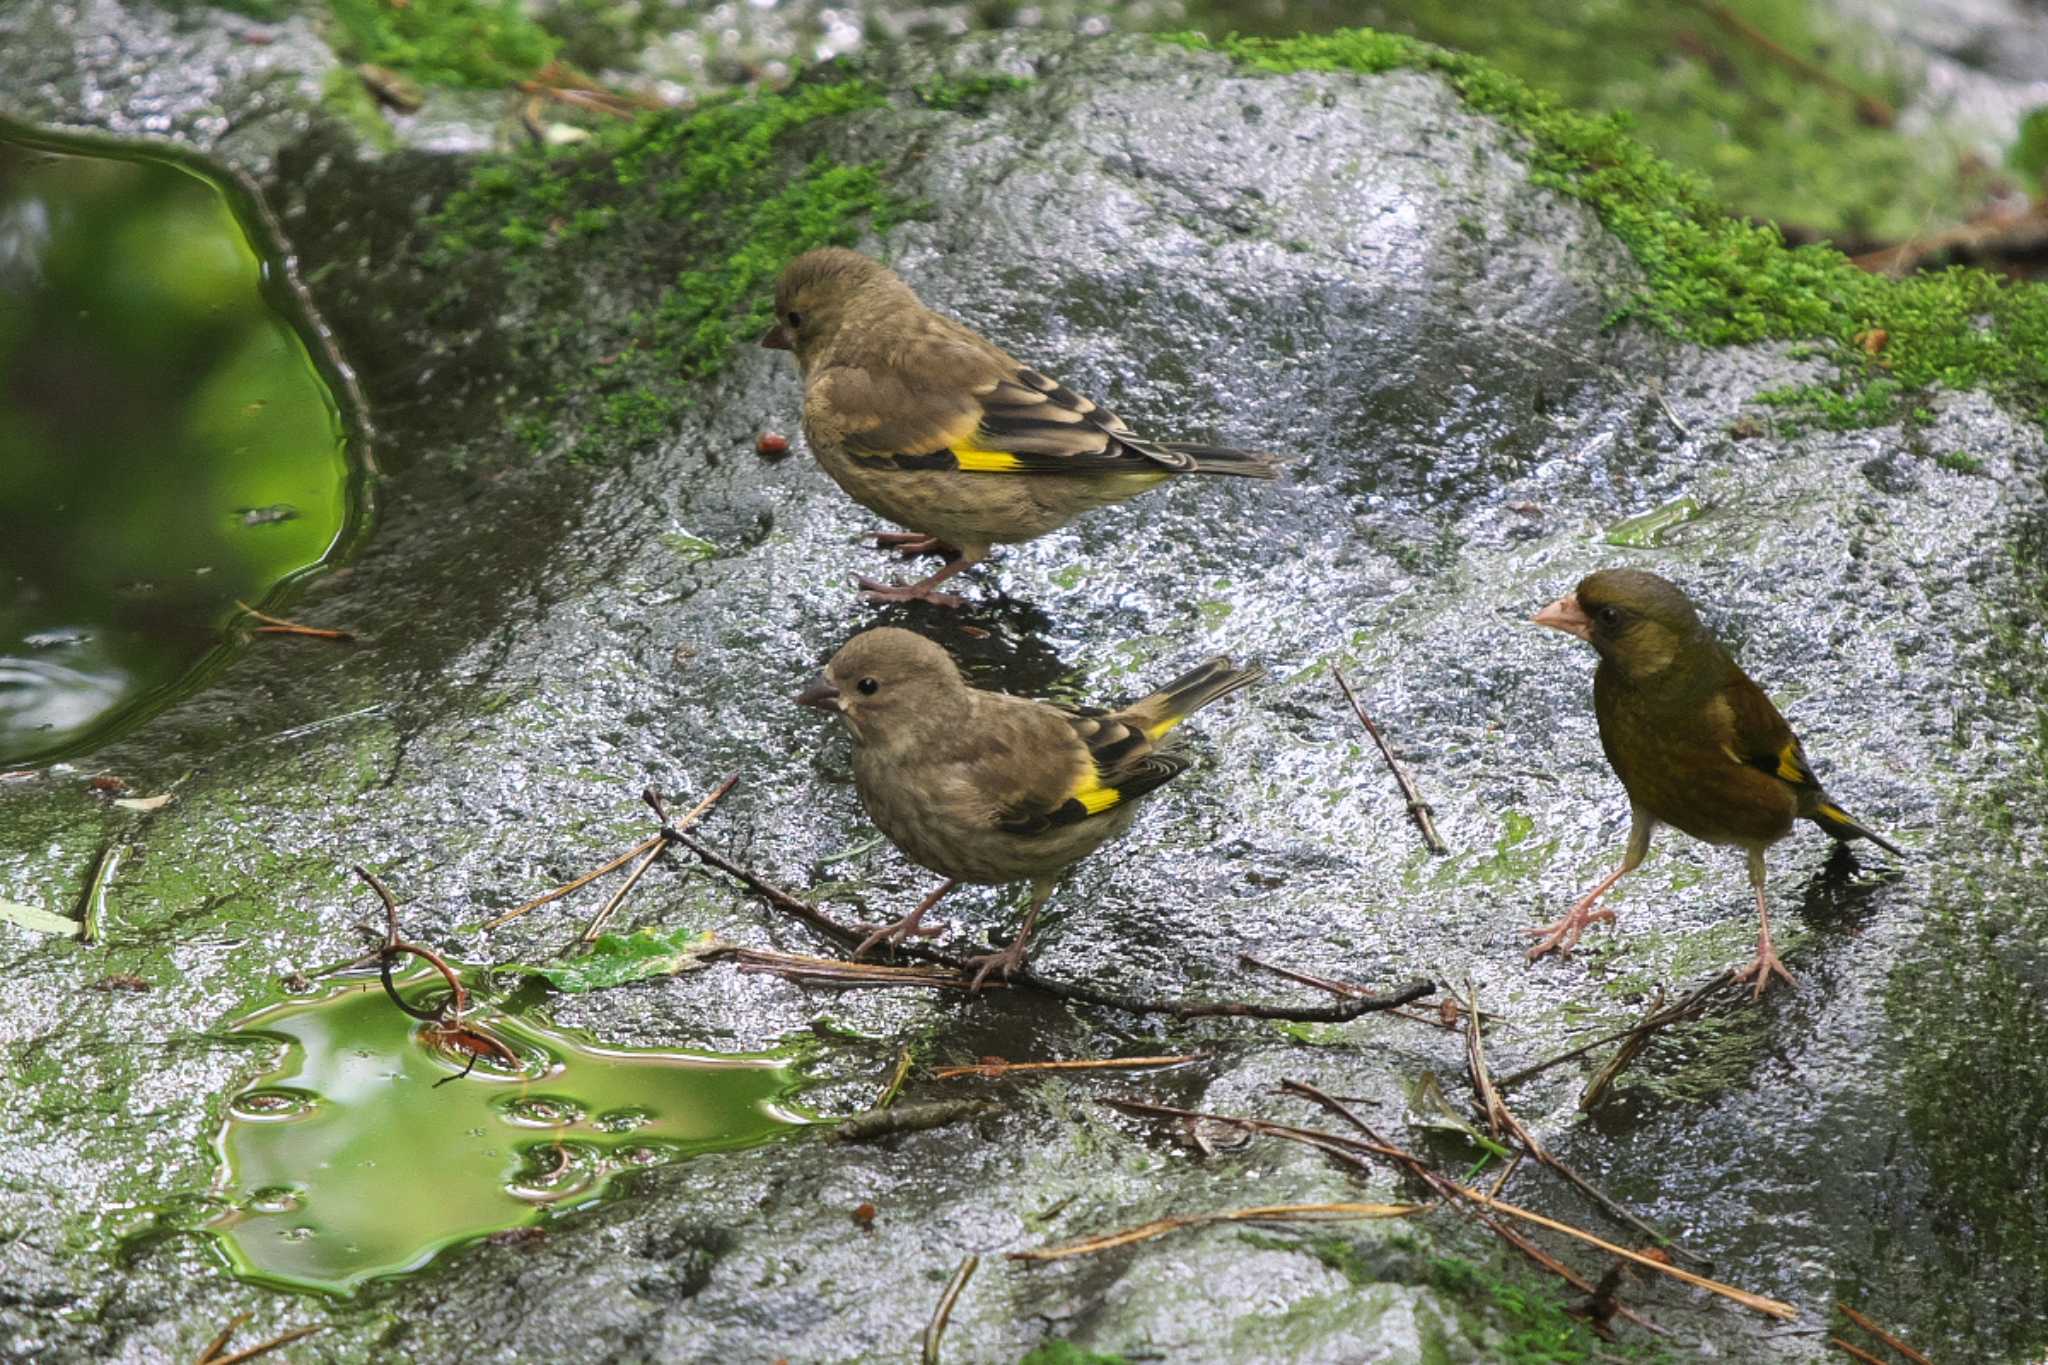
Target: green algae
x=1715 y=279
x=484 y=44
x=370 y=1150
x=722 y=193
x=1647 y=530
x=143 y=330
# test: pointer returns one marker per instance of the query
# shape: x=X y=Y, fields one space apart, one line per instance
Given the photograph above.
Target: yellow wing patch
x=1157 y=729
x=981 y=460
x=1093 y=796
x=1789 y=766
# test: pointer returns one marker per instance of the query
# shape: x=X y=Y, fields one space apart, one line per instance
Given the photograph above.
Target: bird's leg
x=896 y=931
x=921 y=591
x=1011 y=958
x=1766 y=960
x=1563 y=936
x=911 y=544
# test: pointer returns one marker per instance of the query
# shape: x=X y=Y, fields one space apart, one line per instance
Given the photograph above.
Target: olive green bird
x=1695 y=742
x=940 y=430
x=988 y=788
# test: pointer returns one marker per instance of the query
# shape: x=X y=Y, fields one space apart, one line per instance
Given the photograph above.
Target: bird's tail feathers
x=1193 y=457
x=1192 y=691
x=1839 y=824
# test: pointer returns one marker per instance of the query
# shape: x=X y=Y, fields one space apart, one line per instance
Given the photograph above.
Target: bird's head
x=816 y=294
x=1639 y=622
x=884 y=683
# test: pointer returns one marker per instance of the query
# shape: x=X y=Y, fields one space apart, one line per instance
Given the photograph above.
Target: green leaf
x=616 y=959
x=42 y=921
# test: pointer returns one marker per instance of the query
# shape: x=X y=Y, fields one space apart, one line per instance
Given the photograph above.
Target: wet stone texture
x=1355 y=271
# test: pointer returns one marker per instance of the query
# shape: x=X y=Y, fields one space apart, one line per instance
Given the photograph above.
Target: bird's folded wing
x=962 y=411
x=1125 y=764
x=1759 y=737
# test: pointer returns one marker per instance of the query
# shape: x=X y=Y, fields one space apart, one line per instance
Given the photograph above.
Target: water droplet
x=622 y=1120
x=274 y=1199
x=272 y=1105
x=541 y=1111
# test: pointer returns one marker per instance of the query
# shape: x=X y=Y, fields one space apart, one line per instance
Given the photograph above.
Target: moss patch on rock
x=718 y=199
x=1720 y=280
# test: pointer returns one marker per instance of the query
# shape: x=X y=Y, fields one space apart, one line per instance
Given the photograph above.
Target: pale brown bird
x=988 y=788
x=939 y=429
x=1697 y=744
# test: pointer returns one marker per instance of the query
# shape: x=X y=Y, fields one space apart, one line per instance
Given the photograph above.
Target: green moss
x=487 y=44
x=968 y=94
x=1719 y=280
x=343 y=94
x=1340 y=1254
x=1961 y=461
x=719 y=192
x=1066 y=1353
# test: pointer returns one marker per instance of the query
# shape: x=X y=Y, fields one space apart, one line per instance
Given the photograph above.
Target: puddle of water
x=167 y=443
x=351 y=1162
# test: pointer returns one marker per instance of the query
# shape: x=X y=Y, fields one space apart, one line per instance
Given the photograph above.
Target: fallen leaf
x=42 y=921
x=145 y=803
x=616 y=959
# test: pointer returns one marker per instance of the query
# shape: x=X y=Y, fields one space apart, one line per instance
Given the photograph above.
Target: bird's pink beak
x=1567 y=615
x=776 y=338
x=823 y=694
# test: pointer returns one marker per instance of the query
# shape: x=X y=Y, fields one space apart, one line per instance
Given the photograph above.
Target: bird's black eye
x=1608 y=616
x=867 y=686
x=796 y=319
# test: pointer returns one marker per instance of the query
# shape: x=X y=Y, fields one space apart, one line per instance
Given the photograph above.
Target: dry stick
x=1502 y=1119
x=994 y=1069
x=597 y=921
x=394 y=945
x=277 y=625
x=1332 y=985
x=936 y=1328
x=1886 y=1337
x=832 y=971
x=1453 y=1191
x=586 y=879
x=223 y=1337
x=1869 y=108
x=1061 y=990
x=261 y=1349
x=1854 y=1353
x=1159 y=1227
x=1688 y=1006
x=1418 y=808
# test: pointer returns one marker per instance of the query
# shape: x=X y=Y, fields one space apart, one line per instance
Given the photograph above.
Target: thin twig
x=394 y=945
x=1159 y=1227
x=833 y=971
x=1060 y=990
x=223 y=1337
x=586 y=879
x=1870 y=109
x=1886 y=1337
x=618 y=898
x=1688 y=1006
x=1855 y=1353
x=277 y=625
x=996 y=1067
x=935 y=1330
x=1454 y=1192
x=1418 y=808
x=1503 y=1121
x=262 y=1348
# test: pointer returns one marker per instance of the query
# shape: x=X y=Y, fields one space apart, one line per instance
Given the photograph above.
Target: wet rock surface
x=1356 y=271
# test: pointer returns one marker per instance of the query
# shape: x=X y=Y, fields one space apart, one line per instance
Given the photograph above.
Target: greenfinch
x=988 y=788
x=942 y=431
x=1697 y=744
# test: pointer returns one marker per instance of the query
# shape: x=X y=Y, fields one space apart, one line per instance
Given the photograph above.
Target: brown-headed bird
x=988 y=788
x=939 y=429
x=1696 y=743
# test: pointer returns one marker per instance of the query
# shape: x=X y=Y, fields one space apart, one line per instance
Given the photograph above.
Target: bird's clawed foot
x=1009 y=960
x=911 y=544
x=876 y=591
x=1563 y=936
x=895 y=931
x=1763 y=968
